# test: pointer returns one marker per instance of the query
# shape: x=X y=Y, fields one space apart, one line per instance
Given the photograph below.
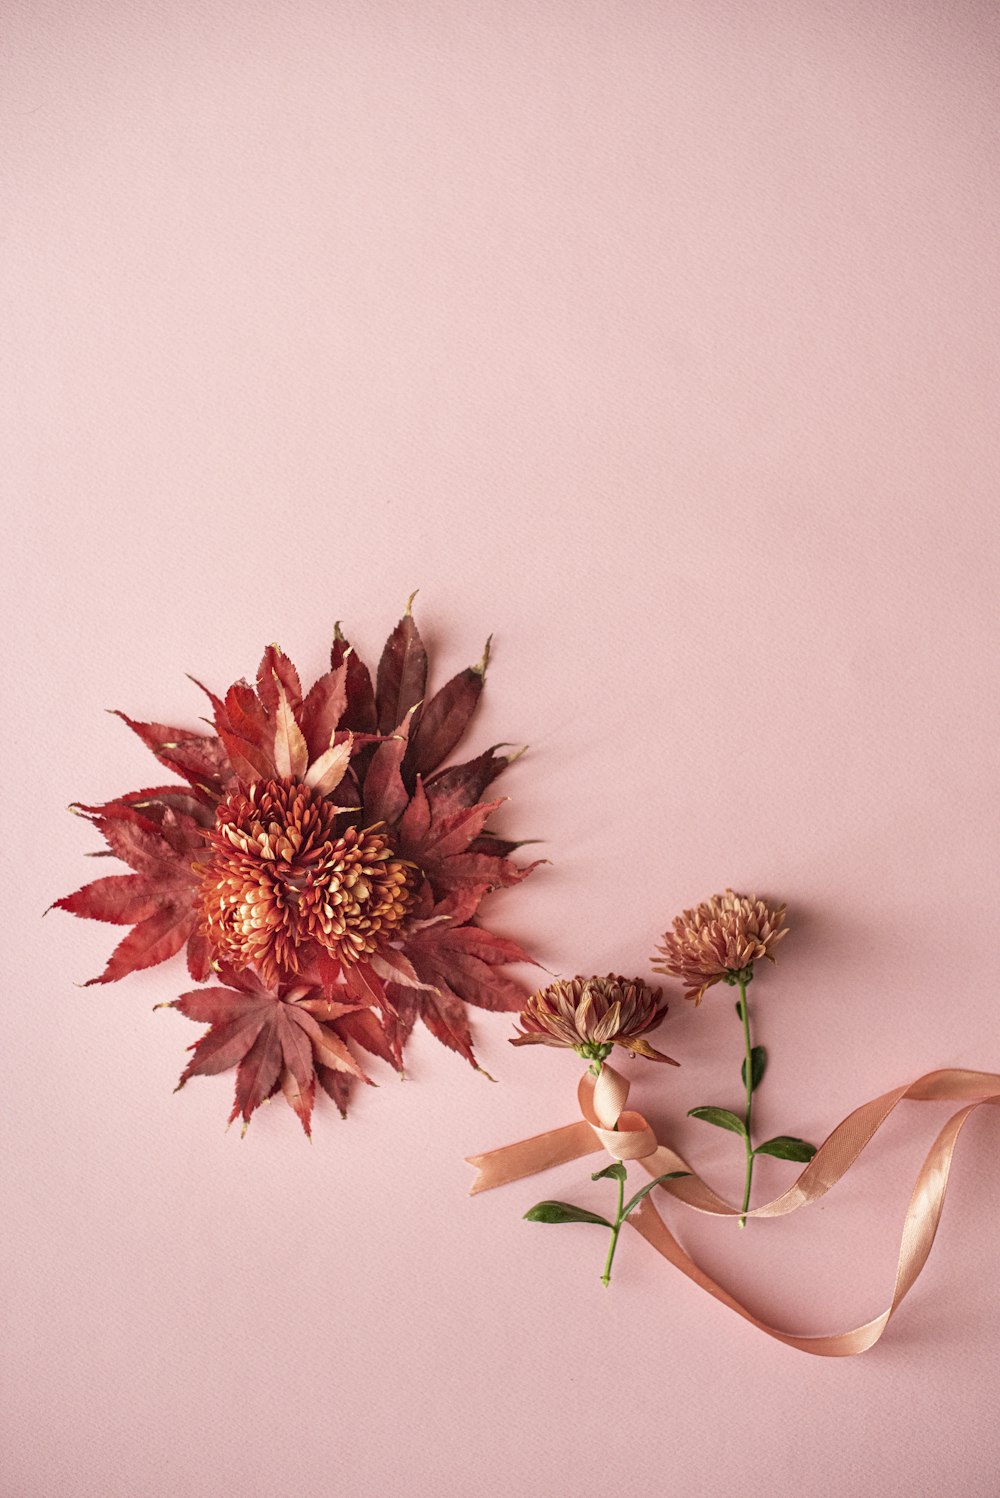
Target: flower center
x=278 y=880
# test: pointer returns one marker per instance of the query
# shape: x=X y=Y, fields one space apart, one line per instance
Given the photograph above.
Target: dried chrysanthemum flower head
x=591 y=1015
x=720 y=940
x=279 y=881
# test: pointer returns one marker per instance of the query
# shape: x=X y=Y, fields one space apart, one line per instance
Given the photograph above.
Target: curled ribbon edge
x=602 y=1104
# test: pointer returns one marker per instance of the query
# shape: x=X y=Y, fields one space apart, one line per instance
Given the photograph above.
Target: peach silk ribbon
x=627 y=1136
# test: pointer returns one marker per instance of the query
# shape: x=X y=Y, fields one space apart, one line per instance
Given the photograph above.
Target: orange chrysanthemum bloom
x=720 y=940
x=279 y=879
x=591 y=1015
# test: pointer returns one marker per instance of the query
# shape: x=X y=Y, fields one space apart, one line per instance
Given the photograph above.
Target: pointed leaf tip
x=480 y=669
x=409 y=602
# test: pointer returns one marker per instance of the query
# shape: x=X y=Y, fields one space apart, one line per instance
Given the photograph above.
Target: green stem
x=748 y=1068
x=619 y=1219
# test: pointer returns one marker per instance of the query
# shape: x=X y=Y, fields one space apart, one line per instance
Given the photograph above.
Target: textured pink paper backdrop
x=660 y=339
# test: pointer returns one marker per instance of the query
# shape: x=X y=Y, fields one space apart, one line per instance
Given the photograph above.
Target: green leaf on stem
x=564 y=1212
x=614 y=1172
x=758 y=1065
x=671 y=1175
x=721 y=1117
x=785 y=1147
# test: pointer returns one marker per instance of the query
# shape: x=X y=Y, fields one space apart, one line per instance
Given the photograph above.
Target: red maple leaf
x=158 y=842
x=278 y=1040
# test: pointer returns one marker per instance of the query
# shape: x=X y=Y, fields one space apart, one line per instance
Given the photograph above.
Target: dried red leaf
x=398 y=1022
x=446 y=955
x=385 y=795
x=247 y=718
x=337 y=1085
x=402 y=673
x=224 y=1045
x=415 y=823
x=153 y=800
x=365 y=1029
x=291 y=754
x=360 y=714
x=134 y=837
x=199 y=955
x=277 y=671
x=462 y=785
x=299 y=1097
x=326 y=1043
x=218 y=1006
x=258 y=1073
x=474 y=941
x=450 y=834
x=328 y=770
x=364 y=985
x=482 y=872
x=498 y=847
x=152 y=941
x=444 y=1015
x=121 y=899
x=272 y=1040
x=158 y=900
x=322 y=710
x=198 y=758
x=444 y=719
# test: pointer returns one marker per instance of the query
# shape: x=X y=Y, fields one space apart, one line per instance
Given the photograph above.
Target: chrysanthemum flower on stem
x=718 y=942
x=591 y=1016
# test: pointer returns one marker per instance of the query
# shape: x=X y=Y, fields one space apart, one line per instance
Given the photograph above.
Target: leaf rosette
x=323 y=857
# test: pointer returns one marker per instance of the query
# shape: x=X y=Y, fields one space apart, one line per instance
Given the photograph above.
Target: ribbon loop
x=625 y=1135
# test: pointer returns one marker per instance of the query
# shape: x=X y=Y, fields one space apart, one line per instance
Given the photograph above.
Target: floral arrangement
x=322 y=864
x=319 y=863
x=718 y=941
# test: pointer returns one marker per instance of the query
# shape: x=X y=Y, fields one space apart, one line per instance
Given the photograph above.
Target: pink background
x=661 y=340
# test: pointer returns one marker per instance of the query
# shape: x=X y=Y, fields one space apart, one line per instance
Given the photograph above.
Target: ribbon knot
x=625 y=1135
